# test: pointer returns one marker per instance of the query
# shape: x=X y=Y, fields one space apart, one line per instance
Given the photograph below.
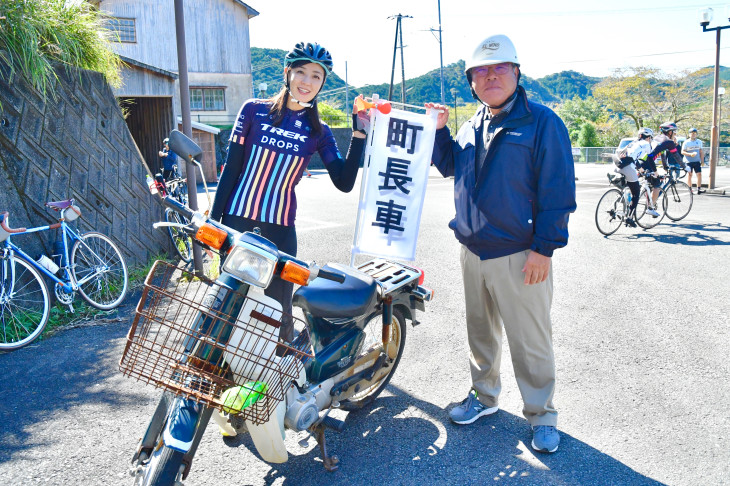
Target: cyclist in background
x=169 y=160
x=626 y=163
x=664 y=145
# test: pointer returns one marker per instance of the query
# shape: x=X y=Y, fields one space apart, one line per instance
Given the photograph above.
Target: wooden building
x=218 y=56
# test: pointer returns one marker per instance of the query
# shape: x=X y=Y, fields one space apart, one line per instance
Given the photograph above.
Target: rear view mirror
x=184 y=147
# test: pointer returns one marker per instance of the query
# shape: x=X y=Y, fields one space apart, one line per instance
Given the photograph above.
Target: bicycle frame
x=68 y=233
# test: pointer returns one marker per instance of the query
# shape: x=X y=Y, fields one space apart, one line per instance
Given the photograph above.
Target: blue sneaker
x=545 y=438
x=470 y=409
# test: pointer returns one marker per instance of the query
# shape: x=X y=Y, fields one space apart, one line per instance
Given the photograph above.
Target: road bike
x=89 y=263
x=613 y=206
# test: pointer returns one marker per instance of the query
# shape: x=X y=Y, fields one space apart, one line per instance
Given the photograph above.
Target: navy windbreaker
x=525 y=191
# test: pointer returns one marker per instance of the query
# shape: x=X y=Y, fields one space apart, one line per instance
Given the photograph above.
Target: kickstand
x=330 y=462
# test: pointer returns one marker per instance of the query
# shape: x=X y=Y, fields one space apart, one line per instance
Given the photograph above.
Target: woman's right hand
x=443 y=116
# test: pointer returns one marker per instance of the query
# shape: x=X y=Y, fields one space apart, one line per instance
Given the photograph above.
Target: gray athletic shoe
x=545 y=438
x=470 y=409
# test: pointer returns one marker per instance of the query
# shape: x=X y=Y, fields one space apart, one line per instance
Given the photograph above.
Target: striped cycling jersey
x=274 y=160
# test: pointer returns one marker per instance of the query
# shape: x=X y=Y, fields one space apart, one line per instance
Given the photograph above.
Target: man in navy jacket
x=514 y=188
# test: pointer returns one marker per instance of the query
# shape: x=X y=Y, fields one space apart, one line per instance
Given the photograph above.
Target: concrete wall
x=74 y=146
x=342 y=136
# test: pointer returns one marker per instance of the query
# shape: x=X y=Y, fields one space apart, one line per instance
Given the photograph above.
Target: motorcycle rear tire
x=398 y=334
x=163 y=468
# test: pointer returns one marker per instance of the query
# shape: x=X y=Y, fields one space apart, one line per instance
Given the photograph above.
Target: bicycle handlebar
x=4 y=216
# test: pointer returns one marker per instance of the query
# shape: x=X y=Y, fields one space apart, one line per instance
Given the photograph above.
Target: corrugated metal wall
x=150 y=122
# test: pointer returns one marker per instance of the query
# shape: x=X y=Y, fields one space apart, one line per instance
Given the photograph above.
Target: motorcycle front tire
x=163 y=467
x=373 y=334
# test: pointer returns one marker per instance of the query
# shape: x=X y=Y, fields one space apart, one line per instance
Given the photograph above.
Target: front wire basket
x=194 y=339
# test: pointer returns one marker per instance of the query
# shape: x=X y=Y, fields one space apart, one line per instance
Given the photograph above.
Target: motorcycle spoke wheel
x=370 y=389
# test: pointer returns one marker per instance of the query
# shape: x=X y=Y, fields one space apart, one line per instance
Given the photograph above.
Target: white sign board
x=395 y=175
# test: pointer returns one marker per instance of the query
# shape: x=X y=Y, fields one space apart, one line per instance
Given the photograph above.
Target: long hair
x=279 y=104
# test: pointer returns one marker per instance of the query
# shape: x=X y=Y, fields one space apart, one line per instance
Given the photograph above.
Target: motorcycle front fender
x=269 y=436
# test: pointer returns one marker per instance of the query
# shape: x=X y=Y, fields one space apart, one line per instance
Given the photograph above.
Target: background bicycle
x=177 y=188
x=613 y=206
x=89 y=263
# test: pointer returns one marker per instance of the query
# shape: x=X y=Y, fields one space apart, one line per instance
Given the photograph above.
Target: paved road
x=641 y=338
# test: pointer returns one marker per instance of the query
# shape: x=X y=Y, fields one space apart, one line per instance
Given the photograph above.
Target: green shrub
x=35 y=35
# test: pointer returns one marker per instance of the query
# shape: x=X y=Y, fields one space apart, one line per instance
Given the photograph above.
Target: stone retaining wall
x=76 y=145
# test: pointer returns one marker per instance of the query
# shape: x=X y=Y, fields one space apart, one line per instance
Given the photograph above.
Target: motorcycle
x=214 y=348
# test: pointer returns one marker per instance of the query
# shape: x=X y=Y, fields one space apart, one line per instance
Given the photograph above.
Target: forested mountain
x=567 y=84
x=268 y=64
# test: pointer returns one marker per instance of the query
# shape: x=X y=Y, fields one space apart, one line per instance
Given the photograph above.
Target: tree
x=577 y=112
x=588 y=136
x=632 y=93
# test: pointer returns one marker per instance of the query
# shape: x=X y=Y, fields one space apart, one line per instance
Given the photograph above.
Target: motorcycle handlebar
x=175 y=205
x=332 y=275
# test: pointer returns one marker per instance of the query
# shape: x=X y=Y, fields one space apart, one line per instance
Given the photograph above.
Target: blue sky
x=588 y=37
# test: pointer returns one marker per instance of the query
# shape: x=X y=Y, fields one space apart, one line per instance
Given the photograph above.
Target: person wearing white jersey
x=626 y=163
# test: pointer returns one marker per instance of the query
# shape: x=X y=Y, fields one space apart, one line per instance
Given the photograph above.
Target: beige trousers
x=496 y=294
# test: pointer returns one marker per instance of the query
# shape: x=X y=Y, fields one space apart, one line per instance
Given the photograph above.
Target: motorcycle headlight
x=251 y=264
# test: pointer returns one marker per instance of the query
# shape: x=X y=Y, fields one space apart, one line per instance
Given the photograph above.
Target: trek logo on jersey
x=282 y=144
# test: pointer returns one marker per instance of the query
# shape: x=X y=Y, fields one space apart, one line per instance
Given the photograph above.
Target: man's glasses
x=498 y=69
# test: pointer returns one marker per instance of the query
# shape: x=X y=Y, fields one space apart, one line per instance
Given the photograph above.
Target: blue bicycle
x=90 y=263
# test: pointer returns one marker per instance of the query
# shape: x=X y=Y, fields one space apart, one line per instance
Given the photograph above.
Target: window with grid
x=122 y=28
x=207 y=99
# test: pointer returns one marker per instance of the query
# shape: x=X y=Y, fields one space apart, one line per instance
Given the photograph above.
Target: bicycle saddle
x=59 y=205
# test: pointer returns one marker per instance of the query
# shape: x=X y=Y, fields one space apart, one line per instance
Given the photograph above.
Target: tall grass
x=35 y=35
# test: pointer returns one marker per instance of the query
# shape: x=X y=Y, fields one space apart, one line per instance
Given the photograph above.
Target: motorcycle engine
x=302 y=412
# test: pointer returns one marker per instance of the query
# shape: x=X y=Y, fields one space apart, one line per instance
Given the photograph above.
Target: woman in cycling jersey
x=269 y=149
x=626 y=163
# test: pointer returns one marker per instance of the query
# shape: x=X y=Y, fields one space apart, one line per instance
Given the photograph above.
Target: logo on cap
x=492 y=46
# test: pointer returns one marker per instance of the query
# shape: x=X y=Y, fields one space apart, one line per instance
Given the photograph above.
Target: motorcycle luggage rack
x=390 y=275
x=177 y=342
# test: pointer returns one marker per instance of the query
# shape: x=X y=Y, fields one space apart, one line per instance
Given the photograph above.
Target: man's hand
x=443 y=117
x=537 y=268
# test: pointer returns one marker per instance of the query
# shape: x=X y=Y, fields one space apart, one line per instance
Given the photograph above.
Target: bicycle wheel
x=678 y=202
x=98 y=268
x=25 y=303
x=372 y=346
x=180 y=240
x=643 y=218
x=610 y=212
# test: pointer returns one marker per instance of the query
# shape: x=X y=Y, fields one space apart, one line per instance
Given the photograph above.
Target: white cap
x=494 y=49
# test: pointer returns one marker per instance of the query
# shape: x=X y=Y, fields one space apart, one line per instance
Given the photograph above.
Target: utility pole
x=398 y=33
x=182 y=68
x=441 y=56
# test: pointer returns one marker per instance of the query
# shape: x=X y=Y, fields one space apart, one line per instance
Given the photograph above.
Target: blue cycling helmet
x=310 y=52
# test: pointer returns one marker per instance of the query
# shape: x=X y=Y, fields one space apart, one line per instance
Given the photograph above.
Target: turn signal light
x=295 y=273
x=211 y=236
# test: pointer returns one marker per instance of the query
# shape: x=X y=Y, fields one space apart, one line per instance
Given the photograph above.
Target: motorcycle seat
x=324 y=298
